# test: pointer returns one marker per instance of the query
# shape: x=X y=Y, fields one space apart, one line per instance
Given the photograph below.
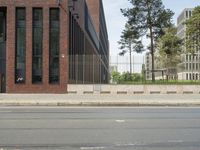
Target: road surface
x=59 y=128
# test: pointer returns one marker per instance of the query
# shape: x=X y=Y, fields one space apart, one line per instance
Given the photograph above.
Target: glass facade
x=54 y=45
x=76 y=51
x=20 y=45
x=37 y=45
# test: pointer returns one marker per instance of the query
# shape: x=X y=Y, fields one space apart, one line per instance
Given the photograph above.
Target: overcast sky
x=116 y=22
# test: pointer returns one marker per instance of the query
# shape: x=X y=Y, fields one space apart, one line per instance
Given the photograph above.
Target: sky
x=116 y=21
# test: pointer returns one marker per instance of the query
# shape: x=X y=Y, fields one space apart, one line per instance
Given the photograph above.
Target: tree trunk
x=152 y=54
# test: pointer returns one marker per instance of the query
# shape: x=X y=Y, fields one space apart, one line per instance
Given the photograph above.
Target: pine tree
x=130 y=42
x=168 y=48
x=148 y=17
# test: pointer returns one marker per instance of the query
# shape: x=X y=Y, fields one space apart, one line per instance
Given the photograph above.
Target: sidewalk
x=98 y=100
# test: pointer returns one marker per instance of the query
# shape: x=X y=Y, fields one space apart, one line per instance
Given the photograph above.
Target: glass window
x=193 y=76
x=190 y=67
x=54 y=14
x=20 y=46
x=54 y=45
x=2 y=47
x=186 y=76
x=190 y=57
x=1 y=26
x=37 y=45
x=190 y=13
x=21 y=15
x=37 y=14
x=187 y=68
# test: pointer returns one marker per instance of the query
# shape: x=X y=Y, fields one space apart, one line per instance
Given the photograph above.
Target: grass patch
x=162 y=82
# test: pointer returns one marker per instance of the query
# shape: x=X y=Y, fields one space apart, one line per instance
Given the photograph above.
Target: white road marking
x=120 y=121
x=128 y=144
x=175 y=141
x=88 y=148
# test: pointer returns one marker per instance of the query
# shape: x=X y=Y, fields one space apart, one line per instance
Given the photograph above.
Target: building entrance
x=2 y=50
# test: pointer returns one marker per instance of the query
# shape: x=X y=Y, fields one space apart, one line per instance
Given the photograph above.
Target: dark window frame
x=54 y=25
x=20 y=23
x=37 y=24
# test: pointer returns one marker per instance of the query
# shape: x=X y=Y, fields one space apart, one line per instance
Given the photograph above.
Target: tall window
x=2 y=42
x=186 y=76
x=20 y=45
x=1 y=26
x=187 y=67
x=54 y=45
x=186 y=14
x=37 y=45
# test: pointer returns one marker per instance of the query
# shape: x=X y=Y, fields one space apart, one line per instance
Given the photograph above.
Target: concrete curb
x=104 y=103
x=98 y=100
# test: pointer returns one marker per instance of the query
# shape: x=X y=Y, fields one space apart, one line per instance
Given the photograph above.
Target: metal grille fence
x=122 y=63
x=94 y=69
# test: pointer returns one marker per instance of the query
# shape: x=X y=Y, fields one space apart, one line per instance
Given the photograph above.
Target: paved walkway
x=98 y=100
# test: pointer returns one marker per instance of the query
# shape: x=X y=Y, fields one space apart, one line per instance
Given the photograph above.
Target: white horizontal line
x=120 y=121
x=175 y=141
x=88 y=148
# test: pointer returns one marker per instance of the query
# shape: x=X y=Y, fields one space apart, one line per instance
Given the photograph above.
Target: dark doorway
x=2 y=50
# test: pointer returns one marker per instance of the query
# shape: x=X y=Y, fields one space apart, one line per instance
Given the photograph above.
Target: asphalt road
x=46 y=128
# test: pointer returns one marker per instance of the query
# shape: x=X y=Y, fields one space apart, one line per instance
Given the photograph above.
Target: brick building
x=45 y=45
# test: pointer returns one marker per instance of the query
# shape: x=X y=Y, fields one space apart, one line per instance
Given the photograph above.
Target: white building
x=189 y=68
x=160 y=73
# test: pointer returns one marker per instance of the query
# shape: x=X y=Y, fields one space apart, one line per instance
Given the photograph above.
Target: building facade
x=189 y=68
x=45 y=45
x=160 y=72
x=148 y=66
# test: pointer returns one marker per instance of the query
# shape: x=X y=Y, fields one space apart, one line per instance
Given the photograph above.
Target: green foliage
x=125 y=77
x=130 y=41
x=115 y=76
x=193 y=31
x=168 y=49
x=137 y=78
x=148 y=17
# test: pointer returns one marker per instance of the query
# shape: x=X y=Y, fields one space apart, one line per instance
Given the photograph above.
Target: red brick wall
x=28 y=87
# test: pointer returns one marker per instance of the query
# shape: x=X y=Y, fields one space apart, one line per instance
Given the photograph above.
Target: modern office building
x=161 y=73
x=189 y=68
x=47 y=44
x=148 y=68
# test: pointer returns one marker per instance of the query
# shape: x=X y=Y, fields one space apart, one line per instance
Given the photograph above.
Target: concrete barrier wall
x=133 y=89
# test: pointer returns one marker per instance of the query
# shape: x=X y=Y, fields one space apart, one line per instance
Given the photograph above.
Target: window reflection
x=37 y=45
x=20 y=46
x=54 y=46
